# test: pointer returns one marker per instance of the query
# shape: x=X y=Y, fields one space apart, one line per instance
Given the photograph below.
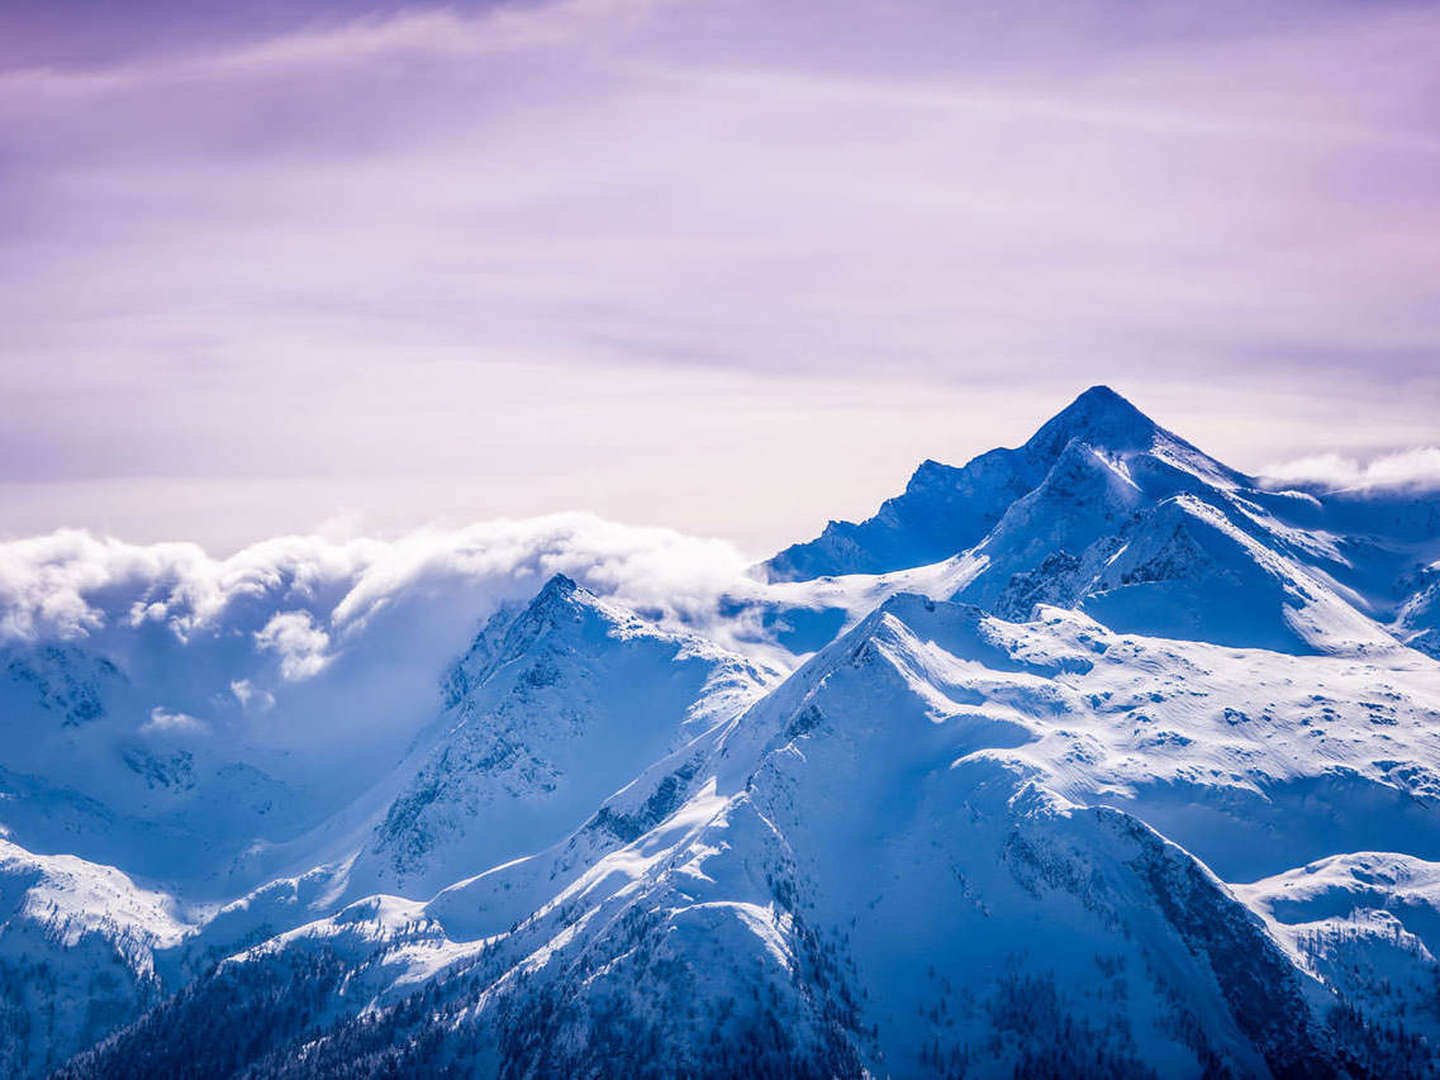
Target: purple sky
x=733 y=267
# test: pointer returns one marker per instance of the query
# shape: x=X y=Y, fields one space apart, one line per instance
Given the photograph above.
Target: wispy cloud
x=1416 y=468
x=432 y=32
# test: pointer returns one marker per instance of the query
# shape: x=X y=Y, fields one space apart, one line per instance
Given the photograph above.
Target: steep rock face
x=1073 y=518
x=1418 y=621
x=547 y=719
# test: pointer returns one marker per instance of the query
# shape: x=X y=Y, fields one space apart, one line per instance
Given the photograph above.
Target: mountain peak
x=562 y=593
x=1099 y=416
x=560 y=600
x=560 y=586
x=931 y=473
x=1103 y=393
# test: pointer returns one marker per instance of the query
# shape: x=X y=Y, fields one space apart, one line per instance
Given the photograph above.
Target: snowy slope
x=1418 y=621
x=548 y=717
x=552 y=710
x=927 y=850
x=1092 y=758
x=945 y=510
x=570 y=686
x=1368 y=924
x=1103 y=508
x=77 y=955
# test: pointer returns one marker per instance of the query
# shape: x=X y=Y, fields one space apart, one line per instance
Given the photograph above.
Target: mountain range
x=1089 y=758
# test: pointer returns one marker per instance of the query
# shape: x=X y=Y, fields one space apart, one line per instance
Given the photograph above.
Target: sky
x=730 y=267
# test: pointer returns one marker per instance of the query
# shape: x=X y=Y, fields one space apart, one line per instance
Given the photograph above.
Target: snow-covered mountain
x=77 y=955
x=1091 y=758
x=1104 y=510
x=549 y=712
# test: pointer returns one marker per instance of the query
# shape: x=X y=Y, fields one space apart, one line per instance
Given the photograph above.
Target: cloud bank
x=302 y=599
x=1415 y=469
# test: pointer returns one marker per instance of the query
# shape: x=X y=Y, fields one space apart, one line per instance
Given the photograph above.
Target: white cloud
x=45 y=580
x=301 y=645
x=248 y=694
x=162 y=721
x=304 y=598
x=1415 y=468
